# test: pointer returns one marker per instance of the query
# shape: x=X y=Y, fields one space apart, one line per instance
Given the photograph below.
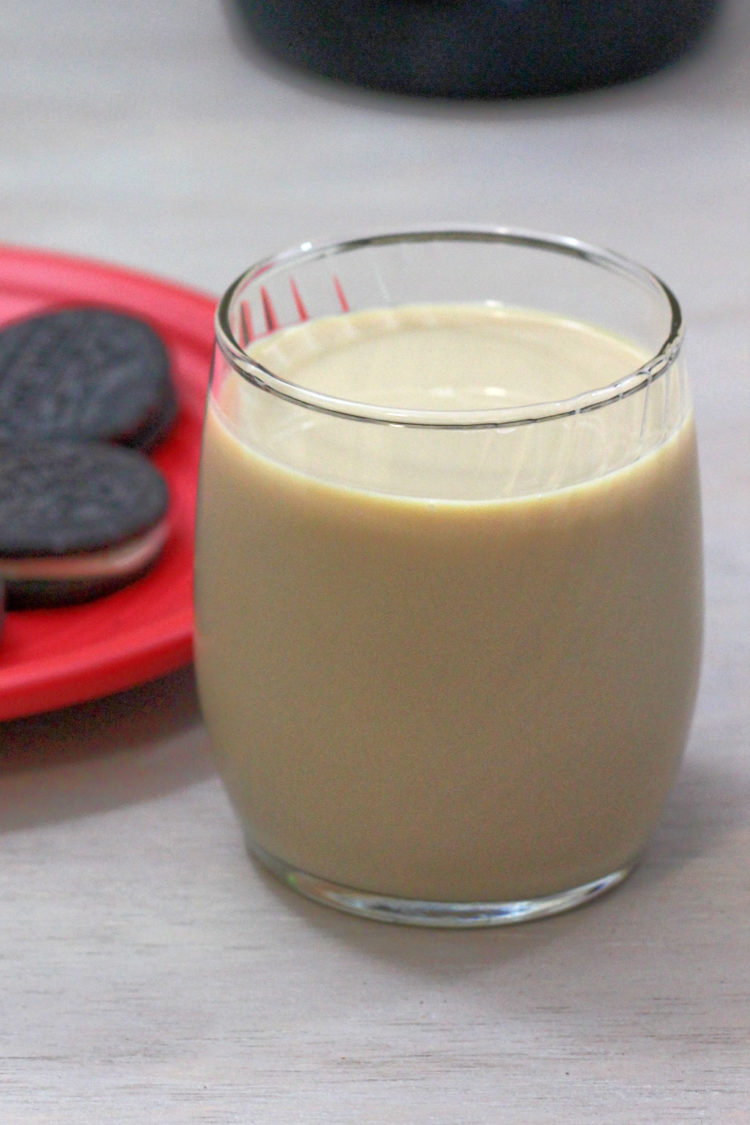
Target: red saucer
x=54 y=657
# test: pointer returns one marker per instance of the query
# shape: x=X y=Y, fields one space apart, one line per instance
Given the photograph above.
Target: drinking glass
x=448 y=624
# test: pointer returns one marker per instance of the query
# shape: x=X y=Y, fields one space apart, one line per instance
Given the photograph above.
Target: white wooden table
x=149 y=972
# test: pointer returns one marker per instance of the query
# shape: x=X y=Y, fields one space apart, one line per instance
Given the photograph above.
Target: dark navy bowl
x=478 y=48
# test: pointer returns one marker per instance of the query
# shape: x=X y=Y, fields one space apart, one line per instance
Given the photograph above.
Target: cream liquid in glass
x=469 y=676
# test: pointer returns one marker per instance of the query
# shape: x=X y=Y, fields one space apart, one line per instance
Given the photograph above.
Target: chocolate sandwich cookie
x=77 y=520
x=87 y=374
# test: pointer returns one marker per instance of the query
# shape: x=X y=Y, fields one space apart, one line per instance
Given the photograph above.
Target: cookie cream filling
x=125 y=558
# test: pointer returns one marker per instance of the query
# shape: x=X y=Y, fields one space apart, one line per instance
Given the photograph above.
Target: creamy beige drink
x=446 y=664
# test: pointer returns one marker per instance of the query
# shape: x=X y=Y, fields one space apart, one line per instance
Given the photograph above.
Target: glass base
x=416 y=912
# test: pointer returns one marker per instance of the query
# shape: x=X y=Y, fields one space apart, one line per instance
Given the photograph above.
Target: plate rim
x=99 y=668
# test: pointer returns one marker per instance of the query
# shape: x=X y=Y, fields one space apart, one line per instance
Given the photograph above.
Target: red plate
x=54 y=657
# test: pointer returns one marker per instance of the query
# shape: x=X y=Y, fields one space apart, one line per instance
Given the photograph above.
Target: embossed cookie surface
x=77 y=520
x=84 y=374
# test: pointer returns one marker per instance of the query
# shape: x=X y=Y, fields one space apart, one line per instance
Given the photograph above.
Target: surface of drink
x=449 y=664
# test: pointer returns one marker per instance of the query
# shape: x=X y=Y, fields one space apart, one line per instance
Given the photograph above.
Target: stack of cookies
x=85 y=395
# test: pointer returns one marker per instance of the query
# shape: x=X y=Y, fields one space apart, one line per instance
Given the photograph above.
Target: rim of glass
x=500 y=416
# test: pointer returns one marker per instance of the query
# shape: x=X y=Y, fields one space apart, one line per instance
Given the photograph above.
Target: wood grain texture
x=148 y=971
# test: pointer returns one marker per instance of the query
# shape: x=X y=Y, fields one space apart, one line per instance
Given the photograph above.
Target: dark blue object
x=478 y=48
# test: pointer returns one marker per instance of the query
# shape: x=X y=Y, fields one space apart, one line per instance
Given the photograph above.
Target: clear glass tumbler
x=448 y=570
